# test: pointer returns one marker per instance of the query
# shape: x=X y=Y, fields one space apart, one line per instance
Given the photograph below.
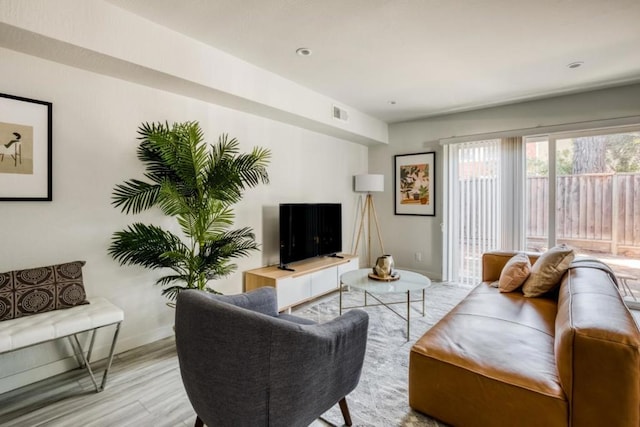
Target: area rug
x=381 y=398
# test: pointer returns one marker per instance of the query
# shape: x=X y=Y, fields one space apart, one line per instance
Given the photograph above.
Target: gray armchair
x=243 y=364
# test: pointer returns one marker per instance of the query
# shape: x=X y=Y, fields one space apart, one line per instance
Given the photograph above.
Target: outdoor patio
x=626 y=269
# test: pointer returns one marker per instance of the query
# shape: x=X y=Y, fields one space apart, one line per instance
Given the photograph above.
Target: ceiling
x=430 y=57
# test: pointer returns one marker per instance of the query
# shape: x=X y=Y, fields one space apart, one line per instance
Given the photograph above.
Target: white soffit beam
x=96 y=36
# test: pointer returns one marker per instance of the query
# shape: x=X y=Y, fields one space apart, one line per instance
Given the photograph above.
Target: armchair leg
x=345 y=411
x=199 y=422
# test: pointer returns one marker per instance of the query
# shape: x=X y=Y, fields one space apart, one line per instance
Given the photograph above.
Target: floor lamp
x=369 y=183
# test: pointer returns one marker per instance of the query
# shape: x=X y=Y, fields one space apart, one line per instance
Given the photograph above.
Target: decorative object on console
x=368 y=183
x=196 y=184
x=415 y=185
x=38 y=290
x=25 y=149
x=547 y=271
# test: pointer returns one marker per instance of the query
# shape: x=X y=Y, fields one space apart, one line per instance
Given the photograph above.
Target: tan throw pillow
x=514 y=273
x=547 y=271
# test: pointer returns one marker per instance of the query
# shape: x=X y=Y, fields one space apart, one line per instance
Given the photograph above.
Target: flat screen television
x=308 y=230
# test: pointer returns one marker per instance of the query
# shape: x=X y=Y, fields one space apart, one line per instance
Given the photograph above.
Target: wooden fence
x=599 y=212
x=595 y=212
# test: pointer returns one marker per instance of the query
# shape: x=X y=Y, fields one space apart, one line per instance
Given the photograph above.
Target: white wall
x=95 y=119
x=406 y=235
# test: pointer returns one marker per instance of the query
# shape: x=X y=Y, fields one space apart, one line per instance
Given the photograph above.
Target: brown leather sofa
x=500 y=359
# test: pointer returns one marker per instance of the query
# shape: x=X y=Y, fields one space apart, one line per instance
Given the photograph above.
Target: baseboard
x=142 y=339
x=434 y=277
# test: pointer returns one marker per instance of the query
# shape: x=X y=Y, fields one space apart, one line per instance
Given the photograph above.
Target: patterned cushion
x=36 y=290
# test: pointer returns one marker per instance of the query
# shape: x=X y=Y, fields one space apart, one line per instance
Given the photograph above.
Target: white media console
x=311 y=278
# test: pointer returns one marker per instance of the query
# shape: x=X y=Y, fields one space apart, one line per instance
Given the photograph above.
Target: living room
x=106 y=70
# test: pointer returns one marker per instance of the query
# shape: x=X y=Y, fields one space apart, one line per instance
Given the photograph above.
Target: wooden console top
x=301 y=268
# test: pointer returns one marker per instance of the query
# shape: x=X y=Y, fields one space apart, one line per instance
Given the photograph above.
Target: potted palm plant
x=197 y=184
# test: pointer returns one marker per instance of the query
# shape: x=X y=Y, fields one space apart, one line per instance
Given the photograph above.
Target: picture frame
x=414 y=184
x=25 y=149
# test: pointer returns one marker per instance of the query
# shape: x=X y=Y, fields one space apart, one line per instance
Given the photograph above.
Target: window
x=583 y=189
x=579 y=188
x=483 y=203
x=473 y=206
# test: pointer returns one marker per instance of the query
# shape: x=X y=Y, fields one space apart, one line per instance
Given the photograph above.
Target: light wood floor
x=144 y=389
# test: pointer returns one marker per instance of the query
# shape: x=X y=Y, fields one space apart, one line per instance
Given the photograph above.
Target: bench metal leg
x=113 y=347
x=85 y=360
x=77 y=350
x=93 y=340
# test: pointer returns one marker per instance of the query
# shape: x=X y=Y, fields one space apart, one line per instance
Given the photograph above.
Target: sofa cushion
x=597 y=349
x=514 y=273
x=491 y=350
x=547 y=271
x=38 y=290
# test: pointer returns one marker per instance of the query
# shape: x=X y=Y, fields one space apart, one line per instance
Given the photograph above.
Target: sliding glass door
x=578 y=188
x=473 y=206
x=583 y=189
x=537 y=194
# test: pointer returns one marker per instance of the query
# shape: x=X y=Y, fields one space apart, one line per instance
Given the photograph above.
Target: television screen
x=309 y=230
x=329 y=223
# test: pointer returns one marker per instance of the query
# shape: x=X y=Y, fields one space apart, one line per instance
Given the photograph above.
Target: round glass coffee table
x=407 y=283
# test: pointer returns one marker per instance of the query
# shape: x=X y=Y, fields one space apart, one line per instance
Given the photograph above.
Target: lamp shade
x=368 y=183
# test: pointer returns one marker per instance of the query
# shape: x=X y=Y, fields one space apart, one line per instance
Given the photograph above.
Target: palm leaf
x=252 y=167
x=229 y=174
x=166 y=280
x=134 y=196
x=173 y=202
x=172 y=292
x=145 y=245
x=220 y=270
x=177 y=149
x=150 y=154
x=232 y=244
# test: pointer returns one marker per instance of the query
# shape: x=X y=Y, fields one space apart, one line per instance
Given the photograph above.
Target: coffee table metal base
x=388 y=305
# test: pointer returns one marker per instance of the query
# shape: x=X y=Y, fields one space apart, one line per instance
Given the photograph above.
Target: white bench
x=51 y=325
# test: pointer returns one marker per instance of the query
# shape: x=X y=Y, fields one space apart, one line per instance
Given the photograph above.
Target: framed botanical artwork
x=25 y=149
x=415 y=184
